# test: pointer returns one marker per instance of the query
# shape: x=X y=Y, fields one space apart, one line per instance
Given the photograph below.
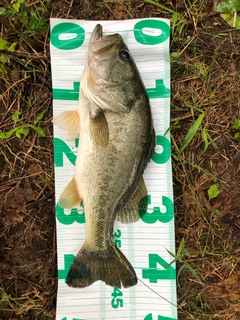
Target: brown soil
x=206 y=76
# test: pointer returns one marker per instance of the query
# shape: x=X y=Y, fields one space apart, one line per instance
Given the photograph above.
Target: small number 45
x=116 y=302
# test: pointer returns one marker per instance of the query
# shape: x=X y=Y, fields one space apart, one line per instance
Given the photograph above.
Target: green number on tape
x=61 y=148
x=74 y=36
x=68 y=259
x=67 y=94
x=76 y=142
x=164 y=156
x=154 y=274
x=146 y=39
x=160 y=91
x=116 y=302
x=117 y=235
x=74 y=216
x=156 y=214
x=150 y=317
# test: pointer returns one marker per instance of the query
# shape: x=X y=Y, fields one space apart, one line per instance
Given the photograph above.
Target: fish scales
x=117 y=139
x=110 y=174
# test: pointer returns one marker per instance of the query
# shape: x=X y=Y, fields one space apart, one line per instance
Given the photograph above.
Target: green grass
x=23 y=128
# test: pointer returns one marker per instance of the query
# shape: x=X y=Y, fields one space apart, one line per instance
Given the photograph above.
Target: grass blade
x=193 y=272
x=160 y=6
x=205 y=139
x=191 y=133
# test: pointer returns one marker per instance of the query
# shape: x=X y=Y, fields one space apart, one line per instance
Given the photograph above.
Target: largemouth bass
x=117 y=139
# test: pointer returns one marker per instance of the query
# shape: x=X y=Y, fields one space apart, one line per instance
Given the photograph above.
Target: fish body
x=117 y=139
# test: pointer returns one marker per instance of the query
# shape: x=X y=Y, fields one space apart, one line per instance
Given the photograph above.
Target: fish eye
x=124 y=55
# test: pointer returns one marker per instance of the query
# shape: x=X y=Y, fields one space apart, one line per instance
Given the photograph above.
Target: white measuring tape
x=145 y=243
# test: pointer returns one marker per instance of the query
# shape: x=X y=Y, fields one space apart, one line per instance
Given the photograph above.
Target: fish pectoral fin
x=70 y=197
x=68 y=121
x=110 y=266
x=131 y=212
x=99 y=131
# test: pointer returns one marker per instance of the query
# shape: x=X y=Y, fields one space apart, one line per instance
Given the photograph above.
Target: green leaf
x=39 y=117
x=213 y=192
x=34 y=14
x=16 y=7
x=12 y=47
x=191 y=133
x=6 y=135
x=21 y=130
x=42 y=22
x=228 y=17
x=16 y=115
x=228 y=6
x=3 y=58
x=18 y=135
x=3 y=44
x=175 y=54
x=3 y=11
x=33 y=24
x=236 y=124
x=3 y=69
x=39 y=131
x=24 y=13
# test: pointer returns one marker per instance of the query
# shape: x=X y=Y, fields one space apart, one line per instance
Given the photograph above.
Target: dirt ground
x=205 y=78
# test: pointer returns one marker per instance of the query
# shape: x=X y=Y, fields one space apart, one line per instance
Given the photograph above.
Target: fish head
x=111 y=78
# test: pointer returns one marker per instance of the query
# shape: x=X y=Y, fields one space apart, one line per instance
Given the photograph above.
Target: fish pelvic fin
x=68 y=121
x=131 y=212
x=70 y=197
x=110 y=266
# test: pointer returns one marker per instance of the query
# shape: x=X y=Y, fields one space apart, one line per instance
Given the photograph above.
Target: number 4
x=154 y=274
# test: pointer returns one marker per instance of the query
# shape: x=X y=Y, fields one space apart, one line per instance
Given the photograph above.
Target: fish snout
x=103 y=46
x=96 y=34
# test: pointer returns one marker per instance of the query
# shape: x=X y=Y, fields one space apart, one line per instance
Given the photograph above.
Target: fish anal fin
x=110 y=266
x=70 y=197
x=131 y=212
x=99 y=131
x=68 y=121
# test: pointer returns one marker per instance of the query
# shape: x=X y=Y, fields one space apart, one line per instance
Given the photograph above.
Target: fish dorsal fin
x=70 y=197
x=68 y=121
x=99 y=131
x=131 y=212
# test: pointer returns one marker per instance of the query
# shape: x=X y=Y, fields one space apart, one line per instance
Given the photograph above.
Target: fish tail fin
x=110 y=266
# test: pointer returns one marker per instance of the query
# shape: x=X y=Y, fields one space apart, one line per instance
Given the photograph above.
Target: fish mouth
x=96 y=34
x=103 y=45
